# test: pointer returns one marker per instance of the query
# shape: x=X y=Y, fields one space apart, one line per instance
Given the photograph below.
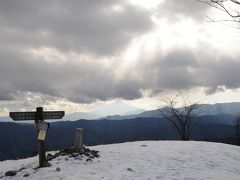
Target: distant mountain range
x=129 y=112
x=117 y=107
x=205 y=109
x=221 y=108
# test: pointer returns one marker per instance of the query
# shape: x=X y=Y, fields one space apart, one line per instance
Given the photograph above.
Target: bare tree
x=180 y=118
x=237 y=126
x=230 y=7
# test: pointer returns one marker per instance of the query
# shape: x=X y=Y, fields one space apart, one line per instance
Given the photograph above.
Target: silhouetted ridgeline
x=19 y=140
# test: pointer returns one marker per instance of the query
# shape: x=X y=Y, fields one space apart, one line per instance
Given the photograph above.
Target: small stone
x=87 y=150
x=94 y=151
x=63 y=154
x=81 y=152
x=88 y=159
x=49 y=157
x=95 y=154
x=91 y=157
x=86 y=154
x=47 y=164
x=74 y=154
x=58 y=169
x=49 y=154
x=26 y=175
x=79 y=158
x=10 y=173
x=129 y=169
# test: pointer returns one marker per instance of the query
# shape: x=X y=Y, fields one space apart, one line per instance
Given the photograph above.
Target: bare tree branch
x=180 y=118
x=232 y=9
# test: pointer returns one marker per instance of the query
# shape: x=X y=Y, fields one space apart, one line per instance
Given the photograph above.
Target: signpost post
x=41 y=125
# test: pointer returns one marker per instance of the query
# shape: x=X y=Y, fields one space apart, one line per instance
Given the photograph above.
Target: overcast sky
x=75 y=54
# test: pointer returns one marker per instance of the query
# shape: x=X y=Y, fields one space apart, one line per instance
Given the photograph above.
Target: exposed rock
x=86 y=149
x=129 y=169
x=91 y=157
x=77 y=154
x=26 y=175
x=86 y=154
x=47 y=164
x=49 y=154
x=58 y=169
x=10 y=173
x=74 y=154
x=95 y=153
x=49 y=157
x=81 y=151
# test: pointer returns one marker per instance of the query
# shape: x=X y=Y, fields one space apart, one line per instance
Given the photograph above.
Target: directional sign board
x=38 y=116
x=53 y=114
x=22 y=116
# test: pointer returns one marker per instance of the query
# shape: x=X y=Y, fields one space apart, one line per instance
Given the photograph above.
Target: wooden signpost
x=41 y=125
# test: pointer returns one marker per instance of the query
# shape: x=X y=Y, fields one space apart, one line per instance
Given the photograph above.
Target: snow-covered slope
x=139 y=160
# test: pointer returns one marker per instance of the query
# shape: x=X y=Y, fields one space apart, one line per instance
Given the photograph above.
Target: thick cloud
x=186 y=69
x=86 y=80
x=176 y=10
x=74 y=49
x=80 y=80
x=103 y=27
x=95 y=28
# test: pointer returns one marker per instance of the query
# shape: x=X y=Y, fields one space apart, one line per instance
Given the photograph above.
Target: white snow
x=143 y=160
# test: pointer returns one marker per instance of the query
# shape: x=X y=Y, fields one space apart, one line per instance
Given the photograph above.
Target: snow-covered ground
x=144 y=160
